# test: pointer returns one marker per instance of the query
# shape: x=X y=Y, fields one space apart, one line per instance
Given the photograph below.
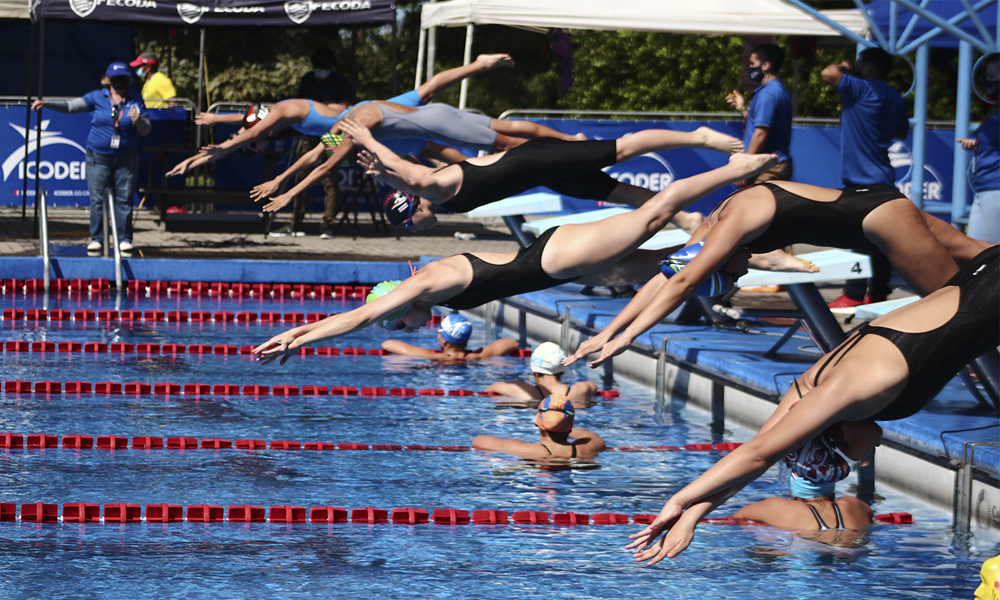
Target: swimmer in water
x=547 y=371
x=888 y=369
x=453 y=336
x=588 y=253
x=554 y=420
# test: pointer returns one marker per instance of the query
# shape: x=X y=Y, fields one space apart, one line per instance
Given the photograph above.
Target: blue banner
x=815 y=152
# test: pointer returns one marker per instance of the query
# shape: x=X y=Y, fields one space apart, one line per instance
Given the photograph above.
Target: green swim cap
x=331 y=143
x=389 y=320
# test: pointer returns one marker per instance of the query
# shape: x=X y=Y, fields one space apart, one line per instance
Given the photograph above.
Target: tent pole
x=38 y=122
x=919 y=127
x=468 y=58
x=421 y=41
x=27 y=123
x=170 y=52
x=963 y=96
x=395 y=62
x=431 y=51
x=201 y=86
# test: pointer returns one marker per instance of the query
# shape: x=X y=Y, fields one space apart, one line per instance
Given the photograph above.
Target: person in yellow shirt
x=155 y=84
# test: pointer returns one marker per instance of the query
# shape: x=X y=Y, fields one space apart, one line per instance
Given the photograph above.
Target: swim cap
x=255 y=112
x=555 y=413
x=803 y=488
x=547 y=359
x=989 y=589
x=819 y=461
x=716 y=285
x=388 y=321
x=456 y=329
x=399 y=209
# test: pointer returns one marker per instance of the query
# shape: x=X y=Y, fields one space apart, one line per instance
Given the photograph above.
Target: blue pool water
x=231 y=560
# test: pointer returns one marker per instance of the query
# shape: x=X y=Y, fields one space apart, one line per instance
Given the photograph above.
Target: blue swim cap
x=803 y=488
x=456 y=329
x=716 y=285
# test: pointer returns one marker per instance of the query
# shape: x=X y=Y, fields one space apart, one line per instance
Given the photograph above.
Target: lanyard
x=116 y=113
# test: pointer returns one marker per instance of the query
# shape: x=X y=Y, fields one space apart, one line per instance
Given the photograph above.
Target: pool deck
x=722 y=370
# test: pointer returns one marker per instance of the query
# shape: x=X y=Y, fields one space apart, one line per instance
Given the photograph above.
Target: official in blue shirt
x=768 y=127
x=872 y=115
x=118 y=118
x=984 y=219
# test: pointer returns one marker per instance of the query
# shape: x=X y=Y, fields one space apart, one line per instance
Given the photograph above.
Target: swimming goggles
x=408 y=223
x=568 y=411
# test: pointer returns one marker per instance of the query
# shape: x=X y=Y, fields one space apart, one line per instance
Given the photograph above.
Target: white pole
x=468 y=58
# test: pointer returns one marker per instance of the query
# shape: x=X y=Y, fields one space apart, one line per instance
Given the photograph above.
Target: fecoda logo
x=299 y=10
x=901 y=159
x=83 y=8
x=59 y=169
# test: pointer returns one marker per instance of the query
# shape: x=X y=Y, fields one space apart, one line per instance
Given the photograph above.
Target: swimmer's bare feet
x=753 y=164
x=688 y=221
x=779 y=260
x=720 y=142
x=493 y=61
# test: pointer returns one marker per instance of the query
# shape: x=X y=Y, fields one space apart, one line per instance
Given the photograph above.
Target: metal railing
x=43 y=236
x=109 y=215
x=962 y=513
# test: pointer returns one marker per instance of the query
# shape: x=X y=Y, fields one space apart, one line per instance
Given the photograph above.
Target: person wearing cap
x=118 y=119
x=156 y=87
x=547 y=371
x=453 y=336
x=554 y=420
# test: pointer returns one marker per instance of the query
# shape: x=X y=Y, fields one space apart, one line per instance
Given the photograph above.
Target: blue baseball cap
x=118 y=69
x=455 y=329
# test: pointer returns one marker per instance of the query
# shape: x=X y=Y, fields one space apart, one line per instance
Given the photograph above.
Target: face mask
x=141 y=72
x=321 y=73
x=756 y=73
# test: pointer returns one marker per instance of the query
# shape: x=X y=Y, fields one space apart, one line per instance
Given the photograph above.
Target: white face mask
x=321 y=73
x=141 y=72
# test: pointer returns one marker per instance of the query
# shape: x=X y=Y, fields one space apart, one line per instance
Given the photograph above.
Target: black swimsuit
x=573 y=446
x=933 y=357
x=799 y=220
x=568 y=168
x=521 y=275
x=822 y=524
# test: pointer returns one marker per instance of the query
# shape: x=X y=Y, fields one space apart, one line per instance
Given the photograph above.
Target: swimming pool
x=230 y=559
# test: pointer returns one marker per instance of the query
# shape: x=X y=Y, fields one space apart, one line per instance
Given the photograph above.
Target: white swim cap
x=547 y=359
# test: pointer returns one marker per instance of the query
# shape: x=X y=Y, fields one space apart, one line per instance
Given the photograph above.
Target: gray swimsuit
x=438 y=123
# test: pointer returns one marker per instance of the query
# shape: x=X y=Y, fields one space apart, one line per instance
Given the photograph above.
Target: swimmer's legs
x=899 y=230
x=631 y=195
x=658 y=140
x=959 y=246
x=445 y=79
x=580 y=249
x=525 y=130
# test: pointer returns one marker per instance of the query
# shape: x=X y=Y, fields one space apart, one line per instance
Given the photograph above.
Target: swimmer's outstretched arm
x=346 y=147
x=635 y=306
x=387 y=166
x=274 y=121
x=267 y=188
x=188 y=164
x=719 y=245
x=403 y=349
x=434 y=283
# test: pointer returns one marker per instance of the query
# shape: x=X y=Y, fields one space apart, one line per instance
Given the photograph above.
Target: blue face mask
x=755 y=73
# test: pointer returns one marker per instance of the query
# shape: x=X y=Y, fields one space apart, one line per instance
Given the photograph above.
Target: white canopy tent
x=13 y=9
x=711 y=17
x=769 y=17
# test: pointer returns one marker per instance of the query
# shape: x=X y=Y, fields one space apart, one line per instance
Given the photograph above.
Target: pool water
x=236 y=560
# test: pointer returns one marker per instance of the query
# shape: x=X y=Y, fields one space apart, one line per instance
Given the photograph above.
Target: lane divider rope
x=137 y=388
x=193 y=288
x=41 y=441
x=120 y=512
x=147 y=349
x=170 y=316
